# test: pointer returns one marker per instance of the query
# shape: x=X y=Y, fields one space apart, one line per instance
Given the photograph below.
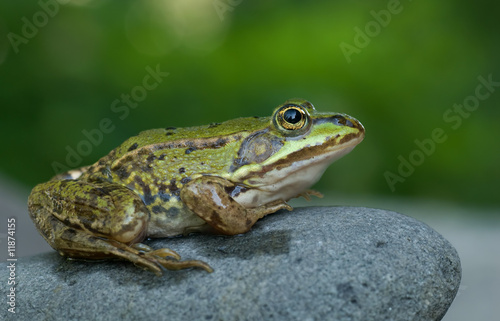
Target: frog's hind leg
x=98 y=221
x=77 y=244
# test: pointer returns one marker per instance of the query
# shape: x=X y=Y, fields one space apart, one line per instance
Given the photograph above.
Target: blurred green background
x=62 y=66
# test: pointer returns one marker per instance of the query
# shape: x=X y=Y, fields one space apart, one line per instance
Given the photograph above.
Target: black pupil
x=292 y=116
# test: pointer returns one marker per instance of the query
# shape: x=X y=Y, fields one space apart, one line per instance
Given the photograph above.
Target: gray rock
x=331 y=263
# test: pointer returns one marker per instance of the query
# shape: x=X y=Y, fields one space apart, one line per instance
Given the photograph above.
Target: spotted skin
x=220 y=178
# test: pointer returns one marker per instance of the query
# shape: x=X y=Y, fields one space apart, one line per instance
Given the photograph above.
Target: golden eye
x=291 y=117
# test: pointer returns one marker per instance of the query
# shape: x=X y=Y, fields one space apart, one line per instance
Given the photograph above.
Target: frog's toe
x=164 y=252
x=166 y=258
x=178 y=265
x=141 y=247
x=307 y=194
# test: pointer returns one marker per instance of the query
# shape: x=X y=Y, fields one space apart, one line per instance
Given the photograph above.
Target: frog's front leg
x=209 y=197
x=97 y=221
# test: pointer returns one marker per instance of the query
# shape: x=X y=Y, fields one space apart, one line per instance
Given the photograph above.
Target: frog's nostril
x=342 y=121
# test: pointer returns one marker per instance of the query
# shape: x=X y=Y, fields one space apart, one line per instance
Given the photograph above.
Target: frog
x=219 y=178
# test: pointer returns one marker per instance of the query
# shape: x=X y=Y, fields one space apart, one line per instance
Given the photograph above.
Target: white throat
x=291 y=181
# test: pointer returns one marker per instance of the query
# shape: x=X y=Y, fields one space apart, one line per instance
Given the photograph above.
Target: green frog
x=219 y=178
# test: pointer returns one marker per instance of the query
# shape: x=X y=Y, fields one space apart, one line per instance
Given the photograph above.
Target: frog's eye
x=292 y=120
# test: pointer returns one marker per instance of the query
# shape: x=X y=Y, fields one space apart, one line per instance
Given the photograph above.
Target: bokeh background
x=400 y=67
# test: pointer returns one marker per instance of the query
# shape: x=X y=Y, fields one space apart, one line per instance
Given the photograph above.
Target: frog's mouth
x=291 y=176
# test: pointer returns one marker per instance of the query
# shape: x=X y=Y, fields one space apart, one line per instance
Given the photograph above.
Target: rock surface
x=323 y=263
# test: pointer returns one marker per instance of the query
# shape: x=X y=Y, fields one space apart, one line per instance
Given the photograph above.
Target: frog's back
x=157 y=163
x=199 y=137
x=167 y=151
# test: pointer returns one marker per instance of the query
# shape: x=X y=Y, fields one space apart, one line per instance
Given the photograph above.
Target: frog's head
x=284 y=159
